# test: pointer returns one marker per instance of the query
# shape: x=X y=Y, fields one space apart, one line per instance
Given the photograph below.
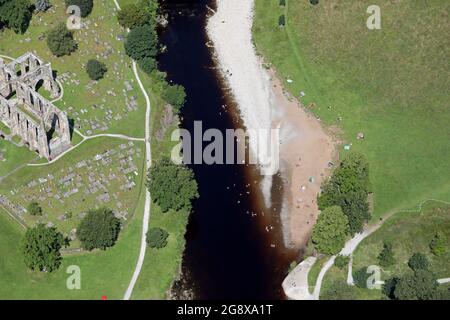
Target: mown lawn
x=391 y=84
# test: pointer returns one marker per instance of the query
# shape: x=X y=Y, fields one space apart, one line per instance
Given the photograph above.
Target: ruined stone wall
x=29 y=115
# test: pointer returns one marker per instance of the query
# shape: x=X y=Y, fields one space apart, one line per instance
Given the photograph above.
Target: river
x=234 y=247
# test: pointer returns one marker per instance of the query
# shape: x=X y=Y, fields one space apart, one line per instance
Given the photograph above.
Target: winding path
x=146 y=219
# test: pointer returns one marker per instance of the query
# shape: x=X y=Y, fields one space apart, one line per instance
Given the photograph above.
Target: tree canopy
x=172 y=186
x=175 y=95
x=330 y=231
x=98 y=229
x=386 y=256
x=418 y=261
x=141 y=42
x=41 y=248
x=34 y=209
x=421 y=285
x=439 y=245
x=16 y=15
x=60 y=41
x=96 y=69
x=348 y=188
x=157 y=238
x=133 y=15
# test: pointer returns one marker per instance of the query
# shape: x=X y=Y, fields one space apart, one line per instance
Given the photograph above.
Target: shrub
x=386 y=256
x=34 y=208
x=282 y=21
x=98 y=229
x=157 y=238
x=84 y=5
x=60 y=41
x=96 y=69
x=418 y=261
x=133 y=15
x=330 y=231
x=360 y=277
x=41 y=247
x=282 y=3
x=16 y=15
x=172 y=186
x=439 y=244
x=314 y=2
x=141 y=42
x=341 y=261
x=148 y=65
x=175 y=95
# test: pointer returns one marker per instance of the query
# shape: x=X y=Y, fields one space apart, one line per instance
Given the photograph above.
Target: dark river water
x=229 y=252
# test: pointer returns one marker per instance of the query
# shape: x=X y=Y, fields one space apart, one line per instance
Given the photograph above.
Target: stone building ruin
x=39 y=124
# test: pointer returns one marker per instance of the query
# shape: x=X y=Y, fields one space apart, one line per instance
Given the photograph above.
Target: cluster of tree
x=339 y=290
x=341 y=261
x=157 y=238
x=142 y=44
x=96 y=69
x=99 y=229
x=85 y=6
x=41 y=248
x=172 y=186
x=348 y=188
x=331 y=230
x=60 y=41
x=16 y=15
x=420 y=284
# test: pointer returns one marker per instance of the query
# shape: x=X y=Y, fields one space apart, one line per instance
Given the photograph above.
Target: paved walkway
x=295 y=285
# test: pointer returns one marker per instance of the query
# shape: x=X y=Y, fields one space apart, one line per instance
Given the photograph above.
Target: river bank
x=305 y=148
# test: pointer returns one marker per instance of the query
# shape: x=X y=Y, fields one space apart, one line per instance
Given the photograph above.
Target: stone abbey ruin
x=27 y=114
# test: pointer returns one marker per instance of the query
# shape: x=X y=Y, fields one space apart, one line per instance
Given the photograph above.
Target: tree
x=172 y=186
x=439 y=244
x=141 y=42
x=175 y=95
x=348 y=188
x=16 y=15
x=157 y=238
x=34 y=208
x=96 y=69
x=330 y=231
x=341 y=261
x=418 y=261
x=41 y=247
x=282 y=21
x=98 y=229
x=84 y=5
x=42 y=5
x=282 y=3
x=147 y=64
x=60 y=41
x=419 y=286
x=339 y=290
x=314 y=2
x=133 y=15
x=386 y=256
x=389 y=287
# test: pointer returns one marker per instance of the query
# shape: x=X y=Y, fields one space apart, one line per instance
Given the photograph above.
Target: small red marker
x=104 y=298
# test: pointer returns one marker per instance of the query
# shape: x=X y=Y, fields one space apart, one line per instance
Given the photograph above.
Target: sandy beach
x=305 y=148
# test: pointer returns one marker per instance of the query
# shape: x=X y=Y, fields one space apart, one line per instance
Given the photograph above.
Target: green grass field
x=102 y=272
x=391 y=84
x=409 y=233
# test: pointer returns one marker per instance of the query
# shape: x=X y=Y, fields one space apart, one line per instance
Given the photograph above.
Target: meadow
x=390 y=84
